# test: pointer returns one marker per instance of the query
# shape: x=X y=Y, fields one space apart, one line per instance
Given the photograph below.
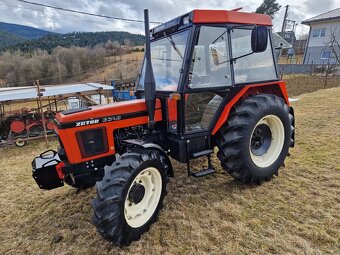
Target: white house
x=322 y=27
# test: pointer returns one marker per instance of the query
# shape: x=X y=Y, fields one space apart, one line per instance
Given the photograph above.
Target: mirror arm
x=234 y=59
x=280 y=47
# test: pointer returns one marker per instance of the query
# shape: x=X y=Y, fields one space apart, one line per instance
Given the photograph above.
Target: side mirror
x=259 y=39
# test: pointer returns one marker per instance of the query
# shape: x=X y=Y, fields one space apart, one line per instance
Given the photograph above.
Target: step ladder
x=204 y=172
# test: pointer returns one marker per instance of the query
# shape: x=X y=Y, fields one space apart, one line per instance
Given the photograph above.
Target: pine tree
x=269 y=7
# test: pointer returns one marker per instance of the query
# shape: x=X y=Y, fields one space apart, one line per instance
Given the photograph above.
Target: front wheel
x=255 y=140
x=130 y=195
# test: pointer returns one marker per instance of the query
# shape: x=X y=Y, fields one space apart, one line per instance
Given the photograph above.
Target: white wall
x=329 y=25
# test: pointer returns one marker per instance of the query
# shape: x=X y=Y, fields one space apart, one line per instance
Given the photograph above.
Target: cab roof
x=224 y=16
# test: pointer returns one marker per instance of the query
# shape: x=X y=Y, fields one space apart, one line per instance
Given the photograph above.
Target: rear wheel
x=130 y=195
x=254 y=142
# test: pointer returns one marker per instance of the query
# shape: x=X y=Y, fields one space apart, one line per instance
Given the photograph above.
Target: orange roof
x=223 y=16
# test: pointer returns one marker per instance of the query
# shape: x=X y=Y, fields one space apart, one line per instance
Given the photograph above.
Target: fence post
x=327 y=72
x=39 y=94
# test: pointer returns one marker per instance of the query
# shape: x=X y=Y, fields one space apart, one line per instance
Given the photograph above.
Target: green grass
x=295 y=213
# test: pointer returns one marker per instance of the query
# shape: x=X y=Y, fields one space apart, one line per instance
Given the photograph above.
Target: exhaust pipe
x=149 y=79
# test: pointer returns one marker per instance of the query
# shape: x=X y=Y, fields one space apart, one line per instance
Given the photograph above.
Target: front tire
x=130 y=195
x=254 y=142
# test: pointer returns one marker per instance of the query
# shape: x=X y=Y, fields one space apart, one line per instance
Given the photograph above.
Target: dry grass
x=124 y=67
x=298 y=84
x=295 y=213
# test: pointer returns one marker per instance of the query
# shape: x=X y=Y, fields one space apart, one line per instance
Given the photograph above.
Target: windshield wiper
x=173 y=44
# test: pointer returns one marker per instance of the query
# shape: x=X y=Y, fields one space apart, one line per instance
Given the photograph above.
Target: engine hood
x=96 y=114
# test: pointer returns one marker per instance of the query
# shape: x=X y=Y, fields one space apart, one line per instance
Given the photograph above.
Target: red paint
x=223 y=16
x=17 y=126
x=59 y=168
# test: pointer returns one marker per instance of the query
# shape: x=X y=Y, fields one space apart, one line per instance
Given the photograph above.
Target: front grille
x=92 y=142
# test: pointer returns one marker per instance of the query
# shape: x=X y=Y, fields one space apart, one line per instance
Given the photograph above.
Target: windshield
x=167 y=59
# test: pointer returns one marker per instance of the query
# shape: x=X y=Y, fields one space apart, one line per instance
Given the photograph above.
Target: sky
x=160 y=10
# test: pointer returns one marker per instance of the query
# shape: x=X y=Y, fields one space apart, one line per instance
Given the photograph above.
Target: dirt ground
x=295 y=213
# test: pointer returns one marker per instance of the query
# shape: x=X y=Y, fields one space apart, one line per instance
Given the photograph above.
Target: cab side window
x=210 y=65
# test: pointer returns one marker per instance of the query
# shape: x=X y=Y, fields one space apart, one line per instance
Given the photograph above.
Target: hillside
x=78 y=39
x=23 y=31
x=8 y=39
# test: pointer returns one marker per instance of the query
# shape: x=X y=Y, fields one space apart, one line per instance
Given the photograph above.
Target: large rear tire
x=254 y=142
x=130 y=195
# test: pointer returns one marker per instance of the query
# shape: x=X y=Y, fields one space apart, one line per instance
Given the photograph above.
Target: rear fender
x=275 y=88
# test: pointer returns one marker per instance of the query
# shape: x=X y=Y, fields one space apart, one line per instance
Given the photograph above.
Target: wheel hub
x=261 y=140
x=137 y=193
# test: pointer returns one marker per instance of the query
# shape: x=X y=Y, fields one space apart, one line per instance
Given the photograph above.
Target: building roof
x=30 y=92
x=331 y=15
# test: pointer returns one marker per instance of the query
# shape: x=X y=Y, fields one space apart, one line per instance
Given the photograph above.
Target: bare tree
x=334 y=43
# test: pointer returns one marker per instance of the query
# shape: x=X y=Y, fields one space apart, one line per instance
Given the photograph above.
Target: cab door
x=209 y=77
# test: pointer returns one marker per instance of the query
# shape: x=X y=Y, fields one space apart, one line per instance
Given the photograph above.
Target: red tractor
x=208 y=79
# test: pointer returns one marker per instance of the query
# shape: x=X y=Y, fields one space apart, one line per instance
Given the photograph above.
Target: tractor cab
x=200 y=60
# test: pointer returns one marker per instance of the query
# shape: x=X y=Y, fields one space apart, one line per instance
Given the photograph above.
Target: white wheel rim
x=136 y=215
x=20 y=142
x=277 y=140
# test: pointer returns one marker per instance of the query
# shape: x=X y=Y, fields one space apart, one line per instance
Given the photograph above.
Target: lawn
x=295 y=213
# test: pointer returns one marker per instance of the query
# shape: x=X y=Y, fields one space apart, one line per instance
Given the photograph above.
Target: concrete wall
x=300 y=69
x=294 y=68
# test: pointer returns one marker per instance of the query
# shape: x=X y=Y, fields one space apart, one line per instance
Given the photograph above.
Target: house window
x=319 y=32
x=325 y=54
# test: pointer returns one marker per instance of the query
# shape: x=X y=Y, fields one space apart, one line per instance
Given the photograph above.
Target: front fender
x=149 y=145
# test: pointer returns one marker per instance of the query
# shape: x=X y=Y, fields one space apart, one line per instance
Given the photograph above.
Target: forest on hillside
x=77 y=39
x=58 y=66
x=8 y=39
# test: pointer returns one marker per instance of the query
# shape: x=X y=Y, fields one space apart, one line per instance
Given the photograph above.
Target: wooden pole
x=55 y=104
x=284 y=20
x=327 y=73
x=37 y=84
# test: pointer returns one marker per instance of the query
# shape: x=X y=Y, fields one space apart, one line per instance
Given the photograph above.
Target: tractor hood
x=101 y=114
